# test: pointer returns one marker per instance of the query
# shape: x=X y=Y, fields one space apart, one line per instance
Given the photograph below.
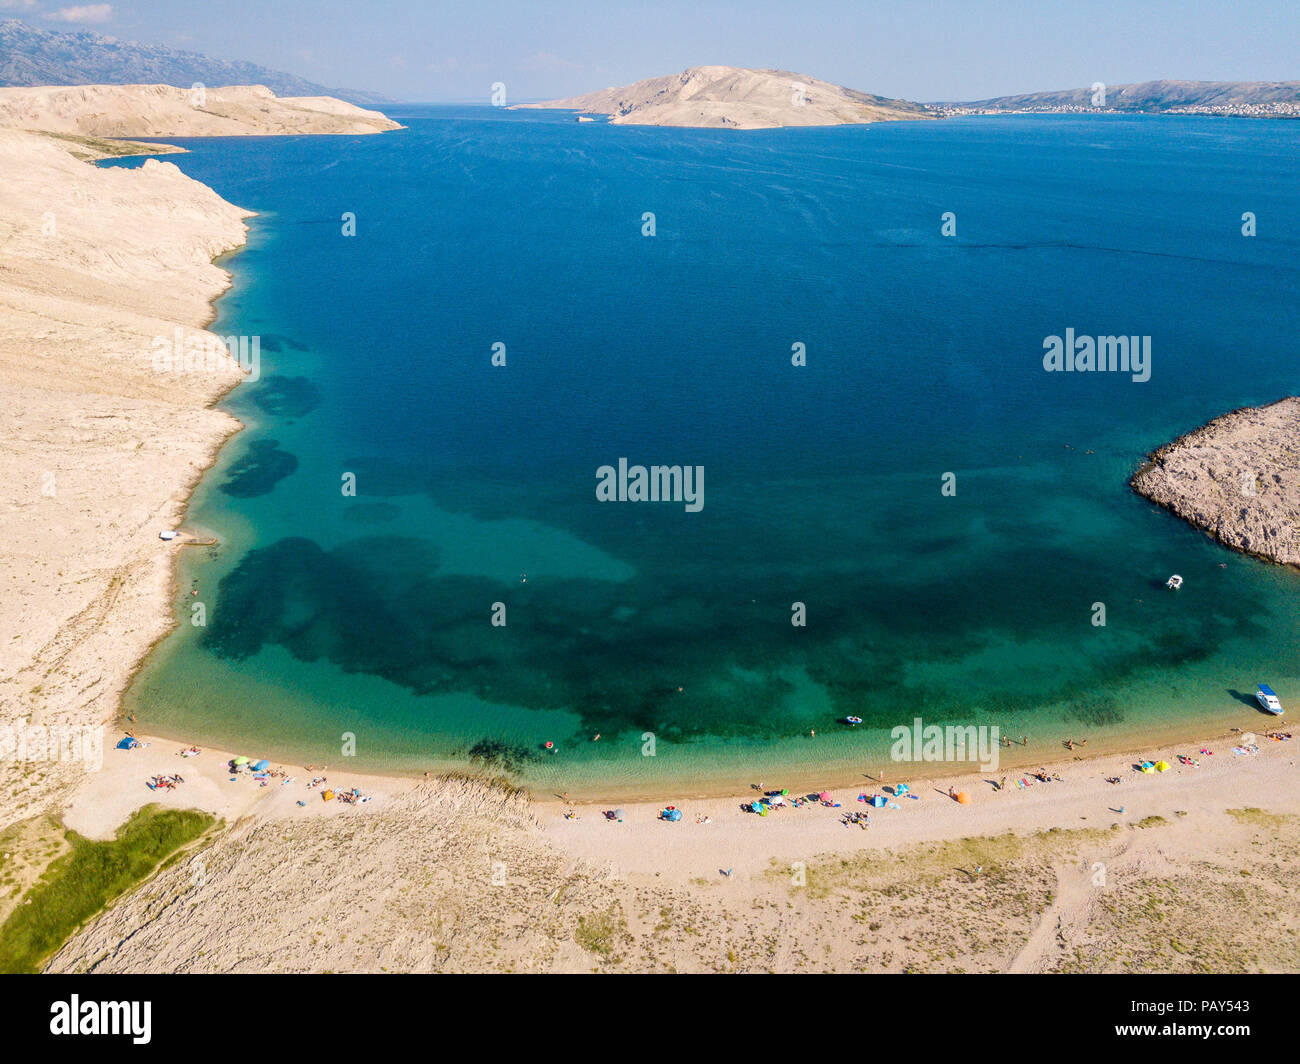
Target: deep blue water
x=371 y=614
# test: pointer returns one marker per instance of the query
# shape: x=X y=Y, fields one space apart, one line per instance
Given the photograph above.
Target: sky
x=434 y=50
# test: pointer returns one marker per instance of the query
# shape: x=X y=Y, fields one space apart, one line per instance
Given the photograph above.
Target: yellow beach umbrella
x=1162 y=766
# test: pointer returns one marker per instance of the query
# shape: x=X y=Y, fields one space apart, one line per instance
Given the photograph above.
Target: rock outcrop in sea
x=1237 y=478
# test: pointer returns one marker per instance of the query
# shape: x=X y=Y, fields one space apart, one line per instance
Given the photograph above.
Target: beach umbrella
x=878 y=801
x=901 y=790
x=263 y=764
x=1146 y=766
x=1162 y=766
x=241 y=761
x=127 y=743
x=618 y=814
x=962 y=797
x=824 y=796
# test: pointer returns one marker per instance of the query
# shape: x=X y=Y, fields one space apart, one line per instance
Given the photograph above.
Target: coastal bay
x=622 y=622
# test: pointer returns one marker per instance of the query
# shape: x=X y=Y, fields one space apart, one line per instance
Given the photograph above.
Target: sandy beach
x=454 y=874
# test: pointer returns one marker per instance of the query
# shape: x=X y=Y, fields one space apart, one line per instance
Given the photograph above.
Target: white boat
x=1174 y=582
x=1267 y=698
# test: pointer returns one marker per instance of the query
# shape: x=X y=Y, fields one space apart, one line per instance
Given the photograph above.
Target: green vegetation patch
x=602 y=933
x=100 y=148
x=79 y=884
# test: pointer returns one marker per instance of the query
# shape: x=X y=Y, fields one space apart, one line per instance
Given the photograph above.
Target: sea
x=873 y=500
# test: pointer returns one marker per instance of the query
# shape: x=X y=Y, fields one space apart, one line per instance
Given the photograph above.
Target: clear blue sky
x=432 y=50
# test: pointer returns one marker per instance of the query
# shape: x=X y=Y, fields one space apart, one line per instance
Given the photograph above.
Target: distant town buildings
x=1289 y=109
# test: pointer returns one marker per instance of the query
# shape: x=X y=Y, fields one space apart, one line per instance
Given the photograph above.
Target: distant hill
x=1207 y=96
x=736 y=98
x=33 y=56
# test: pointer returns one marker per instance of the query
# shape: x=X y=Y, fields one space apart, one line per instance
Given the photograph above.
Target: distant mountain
x=32 y=56
x=1212 y=97
x=737 y=98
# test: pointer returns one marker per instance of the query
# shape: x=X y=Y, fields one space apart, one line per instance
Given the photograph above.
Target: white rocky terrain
x=98 y=448
x=736 y=98
x=166 y=111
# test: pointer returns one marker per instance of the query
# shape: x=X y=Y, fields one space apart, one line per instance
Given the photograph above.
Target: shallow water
x=371 y=614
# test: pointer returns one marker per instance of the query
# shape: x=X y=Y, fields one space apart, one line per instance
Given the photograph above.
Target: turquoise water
x=371 y=614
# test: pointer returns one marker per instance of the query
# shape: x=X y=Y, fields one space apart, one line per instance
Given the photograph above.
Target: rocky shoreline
x=1236 y=478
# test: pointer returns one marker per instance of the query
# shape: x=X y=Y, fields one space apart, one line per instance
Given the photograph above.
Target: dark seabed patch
x=280 y=342
x=644 y=654
x=262 y=466
x=495 y=755
x=1100 y=711
x=288 y=397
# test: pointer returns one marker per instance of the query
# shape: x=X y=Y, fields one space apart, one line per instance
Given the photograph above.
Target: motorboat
x=1267 y=698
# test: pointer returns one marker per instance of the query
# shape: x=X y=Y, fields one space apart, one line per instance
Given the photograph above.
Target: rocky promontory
x=1237 y=478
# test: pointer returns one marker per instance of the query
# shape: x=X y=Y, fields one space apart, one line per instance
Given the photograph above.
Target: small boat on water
x=1174 y=582
x=852 y=720
x=1267 y=698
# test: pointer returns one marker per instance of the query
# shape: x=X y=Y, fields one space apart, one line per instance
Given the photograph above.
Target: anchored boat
x=1267 y=698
